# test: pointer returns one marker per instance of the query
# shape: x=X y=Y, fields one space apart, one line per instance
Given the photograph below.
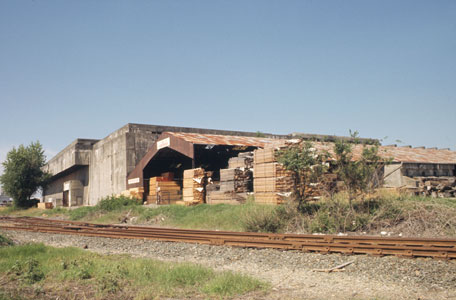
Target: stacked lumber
x=243 y=160
x=272 y=184
x=163 y=190
x=237 y=180
x=45 y=205
x=137 y=193
x=220 y=197
x=436 y=187
x=194 y=184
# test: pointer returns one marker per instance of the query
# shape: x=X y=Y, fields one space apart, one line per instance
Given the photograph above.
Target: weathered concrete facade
x=102 y=166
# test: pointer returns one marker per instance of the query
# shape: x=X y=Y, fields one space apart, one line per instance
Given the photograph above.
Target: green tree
x=23 y=175
x=360 y=175
x=307 y=164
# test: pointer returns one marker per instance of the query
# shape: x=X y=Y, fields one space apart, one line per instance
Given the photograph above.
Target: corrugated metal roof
x=417 y=155
x=398 y=154
x=228 y=140
x=405 y=154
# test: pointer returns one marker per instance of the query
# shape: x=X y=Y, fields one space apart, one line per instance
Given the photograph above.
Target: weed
x=230 y=284
x=109 y=283
x=4 y=241
x=29 y=270
x=116 y=203
x=263 y=219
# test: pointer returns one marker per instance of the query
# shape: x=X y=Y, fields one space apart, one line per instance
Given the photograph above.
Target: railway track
x=378 y=246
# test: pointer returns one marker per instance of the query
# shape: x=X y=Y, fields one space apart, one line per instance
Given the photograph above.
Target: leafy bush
x=116 y=203
x=28 y=270
x=81 y=212
x=264 y=219
x=107 y=204
x=4 y=241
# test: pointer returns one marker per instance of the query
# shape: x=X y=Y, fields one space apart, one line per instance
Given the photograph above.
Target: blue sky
x=72 y=69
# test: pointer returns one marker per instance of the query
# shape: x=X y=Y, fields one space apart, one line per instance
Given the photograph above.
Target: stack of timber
x=243 y=160
x=194 y=186
x=237 y=180
x=272 y=184
x=45 y=205
x=163 y=190
x=137 y=193
x=233 y=187
x=436 y=187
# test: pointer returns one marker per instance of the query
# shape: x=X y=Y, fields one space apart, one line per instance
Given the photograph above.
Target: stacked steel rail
x=405 y=247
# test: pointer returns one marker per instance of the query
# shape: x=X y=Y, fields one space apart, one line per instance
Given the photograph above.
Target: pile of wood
x=272 y=184
x=163 y=190
x=137 y=193
x=194 y=186
x=243 y=160
x=436 y=187
x=237 y=180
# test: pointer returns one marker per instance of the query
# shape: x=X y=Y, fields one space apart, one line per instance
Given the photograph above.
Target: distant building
x=5 y=200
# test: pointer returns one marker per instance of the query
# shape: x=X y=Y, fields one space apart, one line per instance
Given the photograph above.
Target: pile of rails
x=194 y=186
x=272 y=184
x=436 y=187
x=163 y=190
x=235 y=182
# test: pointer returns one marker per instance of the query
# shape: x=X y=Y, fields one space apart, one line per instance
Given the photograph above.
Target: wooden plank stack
x=237 y=180
x=163 y=190
x=194 y=191
x=137 y=193
x=272 y=184
x=436 y=187
x=243 y=160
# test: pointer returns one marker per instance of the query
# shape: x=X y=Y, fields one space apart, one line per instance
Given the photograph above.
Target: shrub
x=116 y=203
x=81 y=212
x=263 y=219
x=28 y=270
x=4 y=241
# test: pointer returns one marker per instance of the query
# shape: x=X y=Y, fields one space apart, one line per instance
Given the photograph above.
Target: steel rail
x=290 y=237
x=407 y=247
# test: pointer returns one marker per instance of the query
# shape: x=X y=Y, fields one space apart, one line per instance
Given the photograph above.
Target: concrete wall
x=402 y=174
x=416 y=170
x=393 y=175
x=77 y=153
x=55 y=190
x=108 y=167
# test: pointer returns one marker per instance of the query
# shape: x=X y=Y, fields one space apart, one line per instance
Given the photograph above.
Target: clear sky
x=72 y=69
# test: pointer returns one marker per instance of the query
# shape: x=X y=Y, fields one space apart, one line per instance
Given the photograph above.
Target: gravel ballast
x=290 y=273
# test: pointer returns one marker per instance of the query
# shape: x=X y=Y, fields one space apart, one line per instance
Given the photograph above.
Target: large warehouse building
x=88 y=170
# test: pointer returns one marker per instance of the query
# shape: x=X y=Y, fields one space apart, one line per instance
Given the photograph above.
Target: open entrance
x=65 y=199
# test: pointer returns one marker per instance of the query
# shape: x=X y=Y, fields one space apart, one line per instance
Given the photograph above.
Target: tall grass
x=39 y=264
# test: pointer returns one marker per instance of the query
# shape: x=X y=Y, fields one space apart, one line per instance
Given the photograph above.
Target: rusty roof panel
x=398 y=154
x=403 y=154
x=227 y=140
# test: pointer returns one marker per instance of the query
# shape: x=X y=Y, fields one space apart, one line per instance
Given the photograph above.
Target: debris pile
x=436 y=187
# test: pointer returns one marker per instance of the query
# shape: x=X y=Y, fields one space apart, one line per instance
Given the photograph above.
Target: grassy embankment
x=40 y=272
x=382 y=211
